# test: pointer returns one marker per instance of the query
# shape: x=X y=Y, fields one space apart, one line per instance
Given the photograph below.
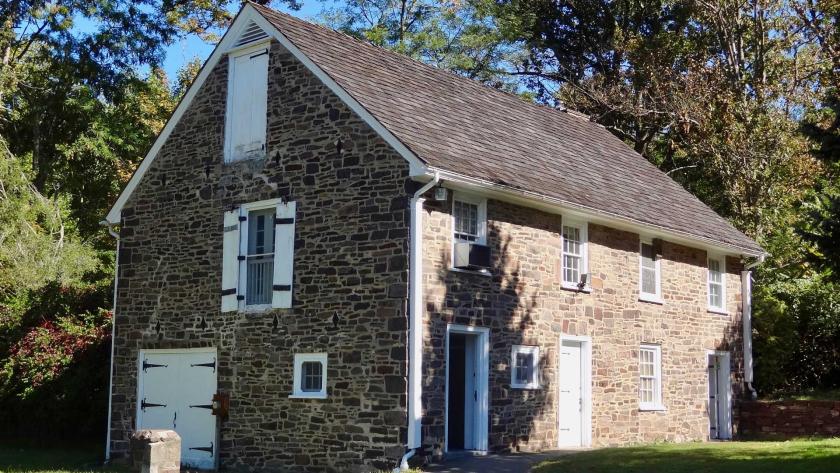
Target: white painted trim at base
x=483 y=386
x=586 y=384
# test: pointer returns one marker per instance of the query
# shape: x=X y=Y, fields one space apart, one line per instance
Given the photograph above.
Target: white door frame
x=482 y=384
x=724 y=418
x=163 y=351
x=586 y=387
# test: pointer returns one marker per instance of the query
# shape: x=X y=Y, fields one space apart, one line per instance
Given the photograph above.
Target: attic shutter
x=284 y=255
x=230 y=261
x=249 y=101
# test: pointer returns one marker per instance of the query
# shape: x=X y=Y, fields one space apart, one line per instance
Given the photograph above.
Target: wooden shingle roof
x=456 y=124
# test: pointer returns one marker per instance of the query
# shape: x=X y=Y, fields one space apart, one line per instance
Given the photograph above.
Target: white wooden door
x=714 y=426
x=720 y=405
x=570 y=397
x=176 y=392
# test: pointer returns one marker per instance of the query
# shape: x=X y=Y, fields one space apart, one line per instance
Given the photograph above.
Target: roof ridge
x=410 y=60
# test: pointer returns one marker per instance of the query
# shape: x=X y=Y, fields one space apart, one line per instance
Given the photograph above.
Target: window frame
x=656 y=404
x=245 y=210
x=297 y=388
x=721 y=260
x=647 y=296
x=232 y=54
x=583 y=227
x=533 y=350
x=481 y=216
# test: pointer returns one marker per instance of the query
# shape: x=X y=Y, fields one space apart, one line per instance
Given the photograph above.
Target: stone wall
x=789 y=419
x=350 y=261
x=522 y=302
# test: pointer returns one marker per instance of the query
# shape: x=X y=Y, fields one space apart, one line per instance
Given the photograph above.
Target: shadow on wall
x=501 y=303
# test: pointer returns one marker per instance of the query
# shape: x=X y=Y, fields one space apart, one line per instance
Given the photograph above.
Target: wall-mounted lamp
x=441 y=194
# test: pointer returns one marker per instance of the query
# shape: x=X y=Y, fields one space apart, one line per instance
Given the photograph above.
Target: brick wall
x=789 y=419
x=350 y=260
x=522 y=302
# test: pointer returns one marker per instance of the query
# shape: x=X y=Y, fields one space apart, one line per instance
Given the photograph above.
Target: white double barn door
x=175 y=391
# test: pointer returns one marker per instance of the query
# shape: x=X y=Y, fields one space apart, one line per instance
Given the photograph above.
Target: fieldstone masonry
x=350 y=262
x=350 y=294
x=523 y=303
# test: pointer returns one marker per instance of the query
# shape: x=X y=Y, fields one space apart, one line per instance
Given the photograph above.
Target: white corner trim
x=246 y=14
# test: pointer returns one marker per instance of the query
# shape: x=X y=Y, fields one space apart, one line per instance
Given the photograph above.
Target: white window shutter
x=230 y=262
x=259 y=102
x=284 y=255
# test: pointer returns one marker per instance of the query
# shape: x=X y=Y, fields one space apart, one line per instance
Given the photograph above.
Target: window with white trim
x=717 y=284
x=650 y=286
x=525 y=367
x=247 y=102
x=310 y=376
x=469 y=219
x=258 y=256
x=574 y=254
x=650 y=377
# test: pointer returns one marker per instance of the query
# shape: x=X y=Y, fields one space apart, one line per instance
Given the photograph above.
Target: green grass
x=52 y=460
x=815 y=395
x=797 y=456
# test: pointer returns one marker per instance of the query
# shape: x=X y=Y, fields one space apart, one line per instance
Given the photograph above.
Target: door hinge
x=147 y=365
x=144 y=405
x=204 y=449
x=209 y=364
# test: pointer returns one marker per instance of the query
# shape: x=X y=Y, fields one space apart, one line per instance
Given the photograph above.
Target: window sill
x=651 y=299
x=653 y=409
x=230 y=161
x=477 y=272
x=526 y=387
x=574 y=287
x=308 y=396
x=255 y=309
x=713 y=310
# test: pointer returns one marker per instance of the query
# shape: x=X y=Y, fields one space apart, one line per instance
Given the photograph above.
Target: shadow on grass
x=54 y=460
x=801 y=456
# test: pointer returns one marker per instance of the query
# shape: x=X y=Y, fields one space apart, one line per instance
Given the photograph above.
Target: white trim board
x=535 y=200
x=586 y=387
x=242 y=19
x=482 y=387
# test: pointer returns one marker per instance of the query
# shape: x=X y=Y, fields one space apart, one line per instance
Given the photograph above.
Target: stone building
x=334 y=258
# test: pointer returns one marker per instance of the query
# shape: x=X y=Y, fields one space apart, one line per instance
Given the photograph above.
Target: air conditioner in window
x=472 y=256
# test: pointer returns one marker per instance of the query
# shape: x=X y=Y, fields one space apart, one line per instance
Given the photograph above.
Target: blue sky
x=184 y=50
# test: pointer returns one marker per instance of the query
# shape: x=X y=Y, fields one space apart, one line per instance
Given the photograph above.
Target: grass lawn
x=797 y=456
x=52 y=460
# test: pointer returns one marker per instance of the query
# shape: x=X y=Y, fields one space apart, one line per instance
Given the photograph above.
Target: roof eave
x=559 y=206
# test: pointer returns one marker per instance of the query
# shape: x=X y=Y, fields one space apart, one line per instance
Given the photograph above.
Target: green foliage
x=797 y=335
x=38 y=242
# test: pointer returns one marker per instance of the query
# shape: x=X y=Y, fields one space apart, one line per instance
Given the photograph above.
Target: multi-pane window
x=311 y=372
x=466 y=221
x=310 y=376
x=574 y=254
x=650 y=377
x=525 y=367
x=260 y=257
x=717 y=285
x=648 y=273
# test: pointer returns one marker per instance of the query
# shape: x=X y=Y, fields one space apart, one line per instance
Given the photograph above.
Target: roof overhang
x=552 y=205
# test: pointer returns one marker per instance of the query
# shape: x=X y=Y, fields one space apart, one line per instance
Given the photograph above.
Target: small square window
x=310 y=376
x=525 y=367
